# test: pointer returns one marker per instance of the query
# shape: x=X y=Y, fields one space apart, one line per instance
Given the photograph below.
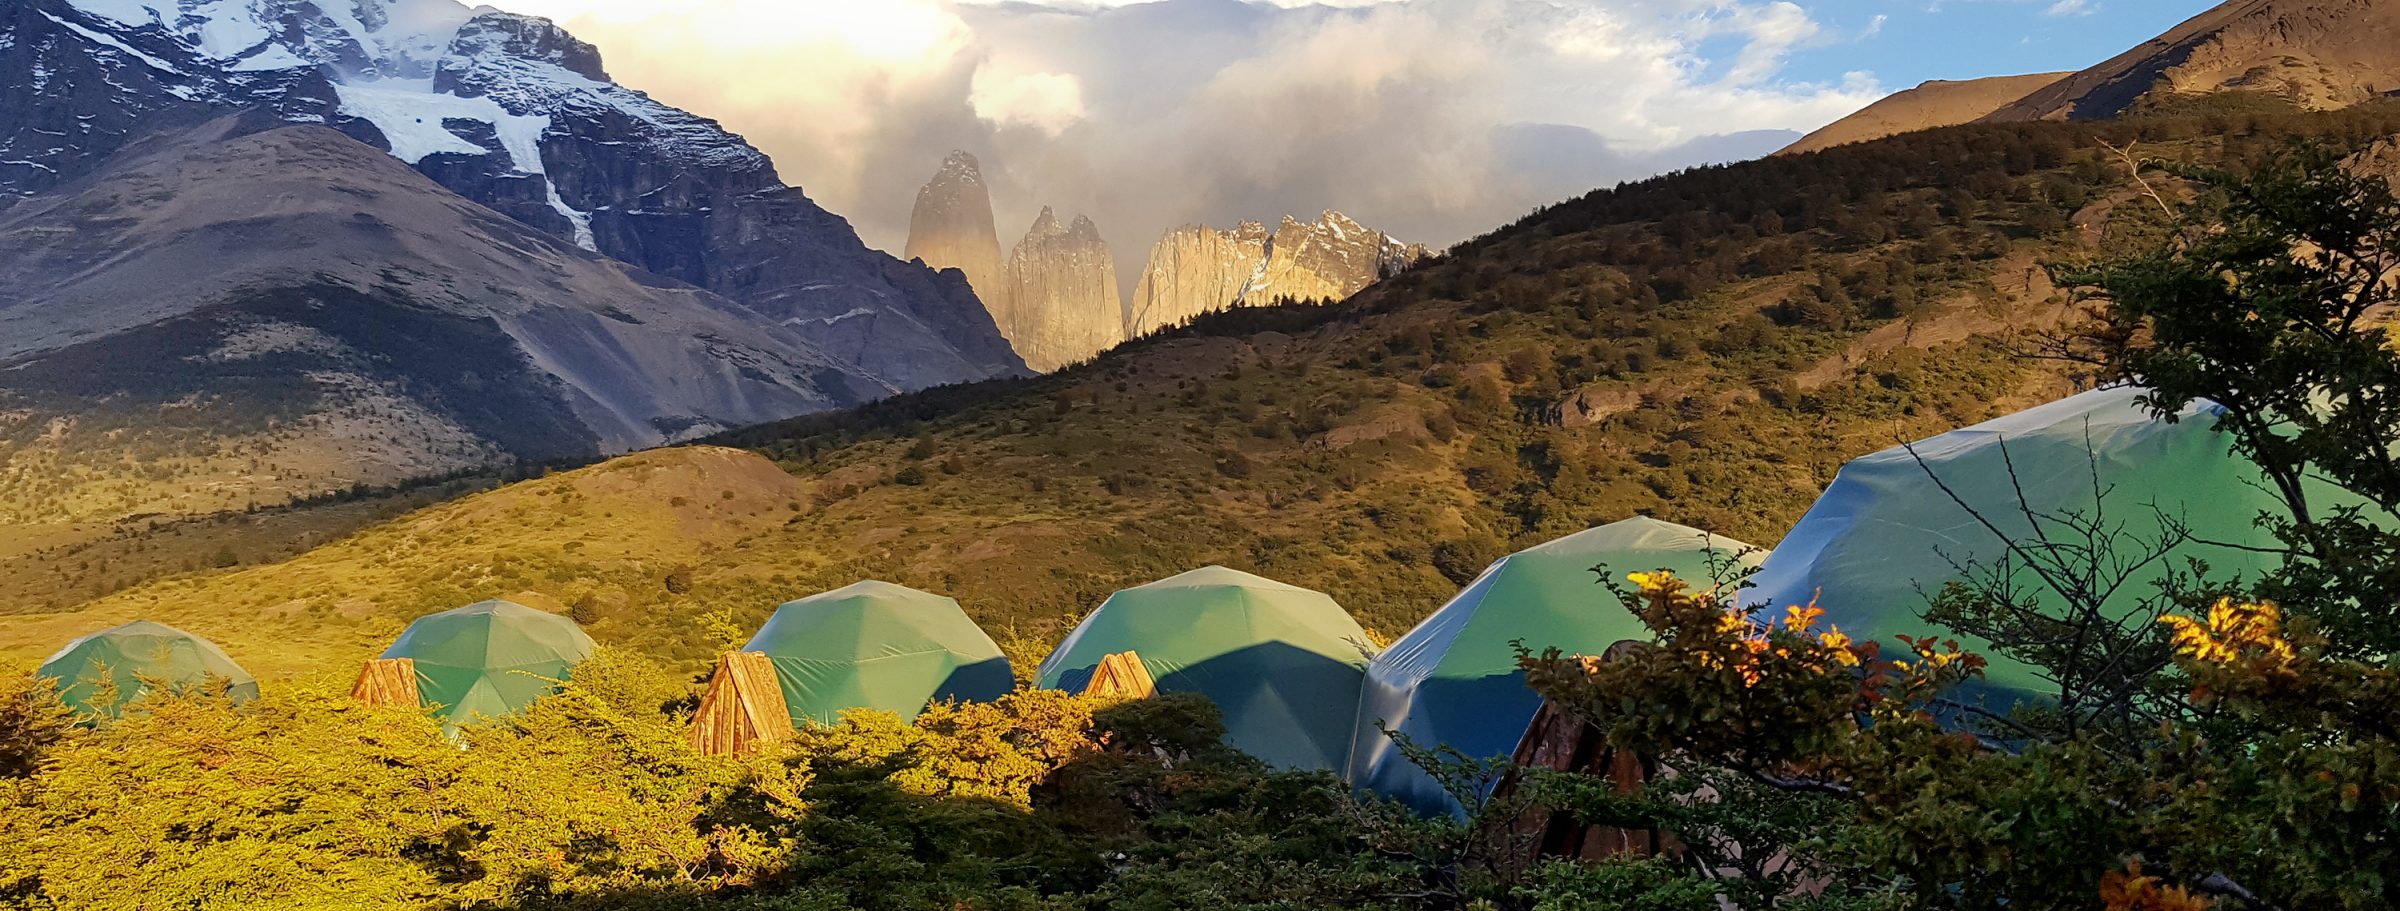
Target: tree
x=2256 y=762
x=2270 y=302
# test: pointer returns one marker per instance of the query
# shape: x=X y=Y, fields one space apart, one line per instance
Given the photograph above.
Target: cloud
x=2071 y=8
x=1050 y=102
x=1434 y=119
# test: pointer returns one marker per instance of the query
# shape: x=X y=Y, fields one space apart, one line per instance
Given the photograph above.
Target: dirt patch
x=1381 y=422
x=2021 y=298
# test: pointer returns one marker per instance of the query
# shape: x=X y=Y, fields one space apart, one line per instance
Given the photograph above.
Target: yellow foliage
x=2234 y=633
x=2130 y=890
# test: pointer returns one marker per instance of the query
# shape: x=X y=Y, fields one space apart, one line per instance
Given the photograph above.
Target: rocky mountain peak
x=495 y=35
x=509 y=111
x=959 y=167
x=1062 y=304
x=1044 y=225
x=951 y=228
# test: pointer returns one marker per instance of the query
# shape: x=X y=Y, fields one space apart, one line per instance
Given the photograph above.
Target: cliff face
x=951 y=228
x=1195 y=270
x=1062 y=304
x=2322 y=54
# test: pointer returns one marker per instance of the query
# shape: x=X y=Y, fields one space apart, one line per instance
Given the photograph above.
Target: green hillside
x=1705 y=347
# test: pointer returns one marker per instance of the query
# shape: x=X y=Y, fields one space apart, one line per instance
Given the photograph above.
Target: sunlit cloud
x=1050 y=102
x=1434 y=119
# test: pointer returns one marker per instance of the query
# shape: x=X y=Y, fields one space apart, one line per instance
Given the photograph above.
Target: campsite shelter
x=875 y=645
x=1886 y=536
x=490 y=659
x=1281 y=662
x=1454 y=681
x=134 y=656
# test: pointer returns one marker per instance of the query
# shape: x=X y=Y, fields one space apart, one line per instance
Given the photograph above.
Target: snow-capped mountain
x=507 y=110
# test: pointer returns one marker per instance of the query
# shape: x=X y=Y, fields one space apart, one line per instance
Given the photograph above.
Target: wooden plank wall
x=1562 y=741
x=1122 y=675
x=387 y=681
x=743 y=707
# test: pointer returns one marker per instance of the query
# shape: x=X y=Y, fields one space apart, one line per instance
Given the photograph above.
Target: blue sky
x=1957 y=39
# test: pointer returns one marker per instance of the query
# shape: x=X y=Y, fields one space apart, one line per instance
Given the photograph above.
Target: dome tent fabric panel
x=875 y=645
x=126 y=657
x=1454 y=680
x=1885 y=536
x=490 y=659
x=1281 y=662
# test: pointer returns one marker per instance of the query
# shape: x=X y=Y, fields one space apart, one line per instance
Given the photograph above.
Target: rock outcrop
x=1939 y=103
x=951 y=228
x=2319 y=54
x=507 y=110
x=1195 y=270
x=1062 y=305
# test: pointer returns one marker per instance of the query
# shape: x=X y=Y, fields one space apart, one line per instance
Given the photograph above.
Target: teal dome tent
x=1454 y=681
x=875 y=645
x=1281 y=662
x=490 y=659
x=127 y=660
x=1886 y=536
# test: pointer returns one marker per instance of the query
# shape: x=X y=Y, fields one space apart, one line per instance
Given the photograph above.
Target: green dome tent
x=1281 y=662
x=1454 y=680
x=1885 y=537
x=490 y=659
x=131 y=657
x=875 y=645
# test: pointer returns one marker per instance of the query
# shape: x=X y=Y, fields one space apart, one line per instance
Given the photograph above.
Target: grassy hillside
x=1706 y=347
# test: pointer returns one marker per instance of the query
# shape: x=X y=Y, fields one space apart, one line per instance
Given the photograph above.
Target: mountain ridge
x=1929 y=105
x=2317 y=54
x=286 y=276
x=503 y=109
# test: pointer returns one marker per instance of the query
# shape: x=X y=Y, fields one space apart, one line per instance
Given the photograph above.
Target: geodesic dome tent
x=875 y=645
x=490 y=659
x=1281 y=662
x=99 y=673
x=1454 y=681
x=1886 y=537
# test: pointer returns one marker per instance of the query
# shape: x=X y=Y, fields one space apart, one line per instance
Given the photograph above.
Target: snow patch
x=830 y=320
x=130 y=12
x=111 y=41
x=271 y=57
x=410 y=114
x=231 y=28
x=580 y=219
